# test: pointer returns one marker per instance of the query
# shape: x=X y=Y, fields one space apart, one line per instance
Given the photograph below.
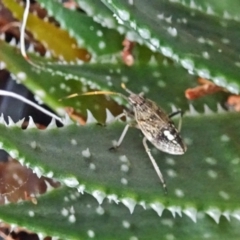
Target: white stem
x=23 y=99
x=23 y=27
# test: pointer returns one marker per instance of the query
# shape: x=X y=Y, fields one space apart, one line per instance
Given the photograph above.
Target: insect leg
x=157 y=169
x=126 y=113
x=129 y=114
x=121 y=137
x=179 y=111
x=117 y=117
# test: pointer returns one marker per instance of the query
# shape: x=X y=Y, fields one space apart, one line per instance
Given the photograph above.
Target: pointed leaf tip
x=129 y=203
x=215 y=214
x=158 y=208
x=90 y=118
x=99 y=195
x=191 y=213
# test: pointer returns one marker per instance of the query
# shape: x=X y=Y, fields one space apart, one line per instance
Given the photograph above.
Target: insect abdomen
x=168 y=140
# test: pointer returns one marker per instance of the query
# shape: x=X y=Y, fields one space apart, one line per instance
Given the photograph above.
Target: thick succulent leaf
x=97 y=39
x=99 y=12
x=205 y=45
x=203 y=183
x=40 y=84
x=206 y=177
x=165 y=83
x=44 y=32
x=49 y=88
x=78 y=216
x=161 y=82
x=215 y=7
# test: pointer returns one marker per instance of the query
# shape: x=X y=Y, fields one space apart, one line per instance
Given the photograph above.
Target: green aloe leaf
x=62 y=80
x=165 y=83
x=40 y=84
x=81 y=217
x=215 y=7
x=97 y=39
x=99 y=12
x=205 y=45
x=44 y=32
x=204 y=178
x=203 y=184
x=49 y=89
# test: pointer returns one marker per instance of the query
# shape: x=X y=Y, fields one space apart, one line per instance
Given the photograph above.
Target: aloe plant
x=116 y=194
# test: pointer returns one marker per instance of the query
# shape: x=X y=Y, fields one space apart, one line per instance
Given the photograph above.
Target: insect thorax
x=147 y=110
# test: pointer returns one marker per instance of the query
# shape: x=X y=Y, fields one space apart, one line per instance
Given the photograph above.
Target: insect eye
x=134 y=104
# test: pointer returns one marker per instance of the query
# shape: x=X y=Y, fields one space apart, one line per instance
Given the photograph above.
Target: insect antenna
x=94 y=93
x=126 y=89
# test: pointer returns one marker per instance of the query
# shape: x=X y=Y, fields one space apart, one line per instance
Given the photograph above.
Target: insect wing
x=168 y=140
x=158 y=128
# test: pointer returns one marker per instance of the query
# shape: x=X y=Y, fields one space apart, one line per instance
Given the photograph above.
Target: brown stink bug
x=156 y=126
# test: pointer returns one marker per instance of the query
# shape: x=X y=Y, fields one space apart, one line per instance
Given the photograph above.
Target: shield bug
x=156 y=126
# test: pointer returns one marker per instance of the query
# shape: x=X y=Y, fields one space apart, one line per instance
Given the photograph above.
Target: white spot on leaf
x=91 y=233
x=74 y=142
x=125 y=224
x=100 y=210
x=86 y=153
x=31 y=213
x=40 y=93
x=102 y=45
x=212 y=174
x=123 y=159
x=21 y=76
x=64 y=212
x=211 y=161
x=170 y=161
x=72 y=218
x=92 y=166
x=225 y=138
x=124 y=168
x=171 y=173
x=224 y=195
x=172 y=31
x=124 y=181
x=179 y=193
x=33 y=144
